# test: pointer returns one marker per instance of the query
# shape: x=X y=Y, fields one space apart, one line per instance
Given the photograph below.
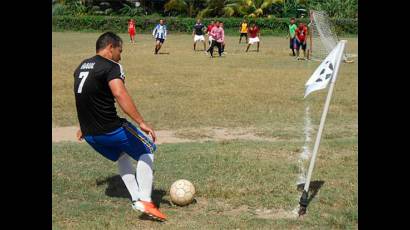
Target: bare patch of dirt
x=265 y=213
x=179 y=136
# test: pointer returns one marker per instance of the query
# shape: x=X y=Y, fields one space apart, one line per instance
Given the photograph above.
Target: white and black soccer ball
x=182 y=192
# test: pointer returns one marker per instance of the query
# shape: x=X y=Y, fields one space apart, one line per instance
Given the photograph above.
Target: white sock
x=145 y=176
x=128 y=176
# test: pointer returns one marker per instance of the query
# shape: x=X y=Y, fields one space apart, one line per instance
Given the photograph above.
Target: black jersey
x=199 y=29
x=93 y=97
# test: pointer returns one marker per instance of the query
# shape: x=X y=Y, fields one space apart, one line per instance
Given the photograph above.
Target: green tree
x=186 y=7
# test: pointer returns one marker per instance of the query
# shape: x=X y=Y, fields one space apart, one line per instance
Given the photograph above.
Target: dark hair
x=106 y=39
x=292 y=19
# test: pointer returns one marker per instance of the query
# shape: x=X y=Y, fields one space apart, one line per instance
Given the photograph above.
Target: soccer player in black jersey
x=98 y=83
x=198 y=33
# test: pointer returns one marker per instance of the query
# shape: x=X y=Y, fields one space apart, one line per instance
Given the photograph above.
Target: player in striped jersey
x=160 y=34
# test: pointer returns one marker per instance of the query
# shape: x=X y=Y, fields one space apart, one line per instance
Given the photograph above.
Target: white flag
x=323 y=74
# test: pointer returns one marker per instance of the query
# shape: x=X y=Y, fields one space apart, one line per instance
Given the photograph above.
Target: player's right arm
x=127 y=105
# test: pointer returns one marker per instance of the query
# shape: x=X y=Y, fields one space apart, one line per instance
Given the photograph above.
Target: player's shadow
x=314 y=187
x=116 y=188
x=163 y=52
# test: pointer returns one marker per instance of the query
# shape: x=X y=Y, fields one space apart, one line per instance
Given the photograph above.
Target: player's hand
x=79 y=135
x=146 y=128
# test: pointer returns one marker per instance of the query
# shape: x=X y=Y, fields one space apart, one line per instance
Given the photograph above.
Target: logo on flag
x=323 y=74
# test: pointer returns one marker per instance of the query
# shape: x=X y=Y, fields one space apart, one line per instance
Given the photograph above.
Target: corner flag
x=323 y=74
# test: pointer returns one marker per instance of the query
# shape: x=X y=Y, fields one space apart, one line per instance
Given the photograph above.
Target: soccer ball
x=182 y=192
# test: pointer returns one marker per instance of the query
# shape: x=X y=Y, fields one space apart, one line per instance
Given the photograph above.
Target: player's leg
x=211 y=48
x=219 y=46
x=247 y=39
x=127 y=173
x=304 y=49
x=297 y=48
x=142 y=149
x=194 y=45
x=240 y=38
x=249 y=45
x=145 y=176
x=161 y=42
x=109 y=145
x=156 y=46
x=257 y=49
x=292 y=45
x=103 y=145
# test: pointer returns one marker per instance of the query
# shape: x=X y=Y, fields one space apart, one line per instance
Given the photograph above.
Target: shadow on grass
x=313 y=188
x=116 y=188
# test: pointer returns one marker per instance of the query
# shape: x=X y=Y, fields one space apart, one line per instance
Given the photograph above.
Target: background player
x=198 y=33
x=160 y=34
x=301 y=35
x=254 y=34
x=131 y=30
x=208 y=32
x=218 y=38
x=291 y=35
x=243 y=30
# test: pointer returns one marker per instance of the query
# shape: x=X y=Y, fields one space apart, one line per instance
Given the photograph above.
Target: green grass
x=261 y=91
x=227 y=175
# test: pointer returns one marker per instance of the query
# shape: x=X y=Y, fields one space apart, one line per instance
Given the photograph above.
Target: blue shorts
x=126 y=139
x=299 y=44
x=161 y=40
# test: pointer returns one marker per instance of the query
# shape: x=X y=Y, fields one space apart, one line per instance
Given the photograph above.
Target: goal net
x=323 y=37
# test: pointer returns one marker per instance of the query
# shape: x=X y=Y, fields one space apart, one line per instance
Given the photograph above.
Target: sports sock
x=145 y=176
x=128 y=176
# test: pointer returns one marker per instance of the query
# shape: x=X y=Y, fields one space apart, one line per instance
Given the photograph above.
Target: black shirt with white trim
x=94 y=100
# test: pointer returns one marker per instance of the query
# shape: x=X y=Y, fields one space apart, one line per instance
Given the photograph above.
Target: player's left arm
x=165 y=31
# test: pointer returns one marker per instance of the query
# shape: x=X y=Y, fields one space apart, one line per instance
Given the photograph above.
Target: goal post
x=322 y=37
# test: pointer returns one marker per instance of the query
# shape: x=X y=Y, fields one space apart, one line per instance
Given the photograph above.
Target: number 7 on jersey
x=83 y=76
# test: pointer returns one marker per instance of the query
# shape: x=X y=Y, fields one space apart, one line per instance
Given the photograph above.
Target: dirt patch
x=265 y=213
x=179 y=136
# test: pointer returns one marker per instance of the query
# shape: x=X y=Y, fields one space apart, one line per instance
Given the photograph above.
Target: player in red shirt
x=131 y=29
x=254 y=34
x=208 y=30
x=301 y=35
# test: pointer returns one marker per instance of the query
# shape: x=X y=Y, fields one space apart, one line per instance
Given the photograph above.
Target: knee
x=147 y=158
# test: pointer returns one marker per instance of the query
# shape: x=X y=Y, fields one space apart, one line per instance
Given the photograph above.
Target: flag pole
x=304 y=198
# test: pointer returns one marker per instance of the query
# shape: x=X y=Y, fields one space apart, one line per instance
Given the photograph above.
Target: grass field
x=186 y=91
